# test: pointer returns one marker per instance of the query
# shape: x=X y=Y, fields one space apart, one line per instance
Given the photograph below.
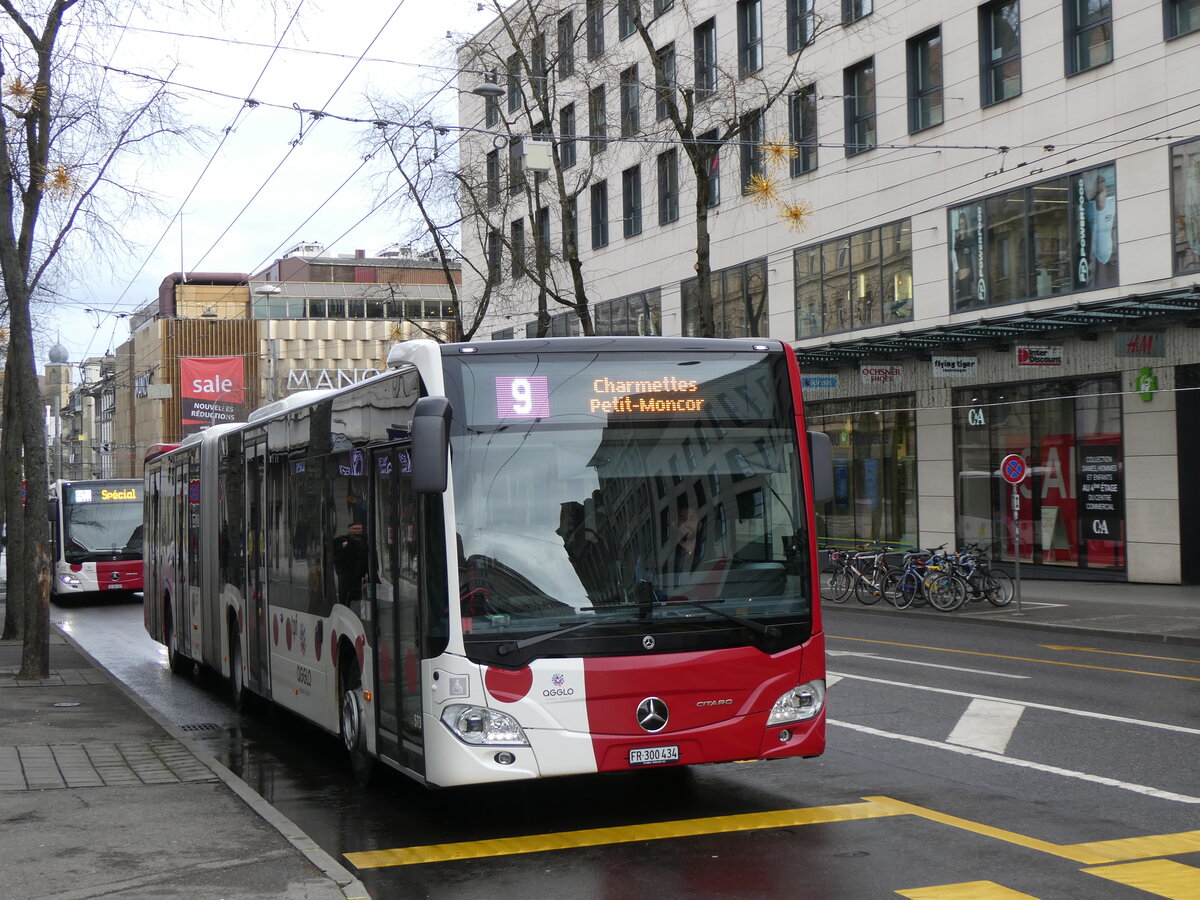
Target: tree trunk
x=10 y=460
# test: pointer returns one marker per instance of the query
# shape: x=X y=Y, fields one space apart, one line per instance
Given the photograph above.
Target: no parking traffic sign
x=1012 y=468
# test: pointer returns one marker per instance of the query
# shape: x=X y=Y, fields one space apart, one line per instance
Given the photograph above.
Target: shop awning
x=1135 y=312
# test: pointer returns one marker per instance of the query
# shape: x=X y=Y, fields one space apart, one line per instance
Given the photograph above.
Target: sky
x=330 y=58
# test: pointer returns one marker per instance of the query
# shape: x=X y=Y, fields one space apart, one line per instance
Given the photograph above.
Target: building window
x=1183 y=16
x=709 y=139
x=517 y=247
x=491 y=105
x=599 y=215
x=627 y=11
x=1000 y=50
x=750 y=38
x=639 y=313
x=597 y=122
x=595 y=28
x=541 y=238
x=504 y=334
x=570 y=232
x=750 y=138
x=853 y=10
x=1049 y=238
x=1088 y=33
x=492 y=189
x=630 y=102
x=861 y=280
x=516 y=166
x=1072 y=436
x=661 y=6
x=566 y=134
x=704 y=38
x=859 y=91
x=537 y=61
x=802 y=123
x=925 y=80
x=513 y=68
x=664 y=82
x=801 y=24
x=739 y=296
x=566 y=46
x=668 y=186
x=494 y=260
x=631 y=201
x=1185 y=197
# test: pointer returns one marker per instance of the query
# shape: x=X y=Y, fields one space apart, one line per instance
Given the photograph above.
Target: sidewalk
x=100 y=796
x=1164 y=613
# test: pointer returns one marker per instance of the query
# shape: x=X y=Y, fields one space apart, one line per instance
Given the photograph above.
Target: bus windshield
x=606 y=497
x=101 y=521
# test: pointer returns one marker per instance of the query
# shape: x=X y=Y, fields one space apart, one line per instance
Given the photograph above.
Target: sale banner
x=212 y=390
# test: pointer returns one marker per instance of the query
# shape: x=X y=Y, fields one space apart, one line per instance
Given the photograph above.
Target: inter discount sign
x=212 y=389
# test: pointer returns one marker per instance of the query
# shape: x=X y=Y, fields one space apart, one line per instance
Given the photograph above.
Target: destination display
x=735 y=387
x=95 y=494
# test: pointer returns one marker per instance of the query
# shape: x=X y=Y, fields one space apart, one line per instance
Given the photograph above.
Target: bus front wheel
x=354 y=726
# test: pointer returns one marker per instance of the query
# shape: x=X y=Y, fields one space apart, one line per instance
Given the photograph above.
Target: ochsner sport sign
x=212 y=390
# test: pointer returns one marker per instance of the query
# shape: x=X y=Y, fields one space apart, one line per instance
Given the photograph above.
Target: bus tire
x=238 y=695
x=175 y=660
x=354 y=724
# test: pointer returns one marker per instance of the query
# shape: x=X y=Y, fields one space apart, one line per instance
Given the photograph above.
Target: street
x=995 y=757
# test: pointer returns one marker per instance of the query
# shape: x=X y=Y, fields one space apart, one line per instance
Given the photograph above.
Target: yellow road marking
x=1094 y=853
x=1046 y=662
x=1117 y=653
x=967 y=890
x=621 y=834
x=1161 y=877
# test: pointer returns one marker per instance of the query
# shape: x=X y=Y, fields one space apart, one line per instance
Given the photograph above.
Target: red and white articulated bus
x=96 y=537
x=513 y=559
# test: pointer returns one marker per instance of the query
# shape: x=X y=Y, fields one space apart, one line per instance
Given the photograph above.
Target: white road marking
x=928 y=665
x=987 y=725
x=1180 y=729
x=1022 y=763
x=831 y=680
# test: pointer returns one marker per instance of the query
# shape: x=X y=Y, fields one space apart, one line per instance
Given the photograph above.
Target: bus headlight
x=69 y=580
x=479 y=725
x=799 y=704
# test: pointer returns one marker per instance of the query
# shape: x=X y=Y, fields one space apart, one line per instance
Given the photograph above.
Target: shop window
x=1071 y=507
x=874 y=460
x=1185 y=197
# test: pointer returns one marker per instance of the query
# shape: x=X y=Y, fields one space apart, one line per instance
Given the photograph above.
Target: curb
x=348 y=884
x=1011 y=621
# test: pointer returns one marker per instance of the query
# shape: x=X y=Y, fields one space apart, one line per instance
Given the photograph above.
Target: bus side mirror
x=430 y=445
x=820 y=457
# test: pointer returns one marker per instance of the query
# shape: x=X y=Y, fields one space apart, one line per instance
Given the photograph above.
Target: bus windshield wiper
x=513 y=646
x=757 y=627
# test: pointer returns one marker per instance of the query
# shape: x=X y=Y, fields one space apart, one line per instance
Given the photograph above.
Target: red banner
x=212 y=390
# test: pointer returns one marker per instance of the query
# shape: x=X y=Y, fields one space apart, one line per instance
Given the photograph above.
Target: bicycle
x=984 y=582
x=842 y=574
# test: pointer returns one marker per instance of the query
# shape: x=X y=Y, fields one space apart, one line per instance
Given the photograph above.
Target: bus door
x=396 y=580
x=258 y=651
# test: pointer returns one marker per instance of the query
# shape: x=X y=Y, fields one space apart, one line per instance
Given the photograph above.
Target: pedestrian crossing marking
x=1160 y=877
x=987 y=725
x=967 y=890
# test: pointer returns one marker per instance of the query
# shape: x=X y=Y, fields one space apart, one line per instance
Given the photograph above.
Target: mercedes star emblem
x=652 y=714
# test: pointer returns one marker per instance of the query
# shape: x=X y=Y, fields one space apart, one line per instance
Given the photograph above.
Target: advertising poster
x=1095 y=196
x=967 y=284
x=1100 y=488
x=212 y=390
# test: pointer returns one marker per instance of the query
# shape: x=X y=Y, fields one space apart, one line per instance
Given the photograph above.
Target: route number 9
x=522 y=397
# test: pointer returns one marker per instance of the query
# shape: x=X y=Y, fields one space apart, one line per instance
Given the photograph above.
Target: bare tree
x=63 y=129
x=725 y=103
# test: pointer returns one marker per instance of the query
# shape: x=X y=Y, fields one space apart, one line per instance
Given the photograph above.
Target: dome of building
x=58 y=354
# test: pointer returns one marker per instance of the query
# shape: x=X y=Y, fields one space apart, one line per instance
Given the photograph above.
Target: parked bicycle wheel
x=835 y=583
x=945 y=592
x=900 y=588
x=998 y=588
x=867 y=591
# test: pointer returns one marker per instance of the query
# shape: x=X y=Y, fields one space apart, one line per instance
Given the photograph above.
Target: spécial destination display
x=731 y=387
x=530 y=397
